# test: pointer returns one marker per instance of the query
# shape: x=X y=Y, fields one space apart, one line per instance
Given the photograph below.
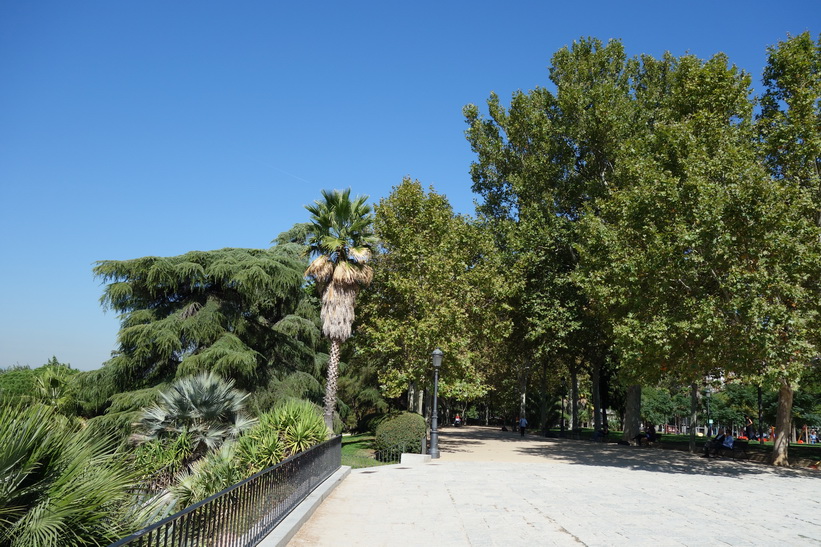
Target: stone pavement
x=496 y=488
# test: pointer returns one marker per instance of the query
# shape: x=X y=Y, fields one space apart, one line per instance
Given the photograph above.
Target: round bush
x=406 y=429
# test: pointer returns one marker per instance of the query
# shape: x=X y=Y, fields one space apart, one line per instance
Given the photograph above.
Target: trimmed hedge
x=406 y=428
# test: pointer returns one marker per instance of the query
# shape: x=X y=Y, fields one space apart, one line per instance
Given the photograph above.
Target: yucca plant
x=303 y=435
x=260 y=450
x=291 y=427
x=59 y=486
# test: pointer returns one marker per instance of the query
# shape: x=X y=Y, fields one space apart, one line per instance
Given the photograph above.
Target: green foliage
x=117 y=424
x=214 y=310
x=340 y=239
x=790 y=112
x=60 y=486
x=159 y=461
x=207 y=476
x=51 y=384
x=405 y=429
x=17 y=382
x=539 y=162
x=291 y=427
x=436 y=279
x=296 y=385
x=206 y=407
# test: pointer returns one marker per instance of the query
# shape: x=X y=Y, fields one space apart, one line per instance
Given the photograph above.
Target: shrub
x=291 y=427
x=406 y=429
x=60 y=485
x=204 y=406
x=369 y=422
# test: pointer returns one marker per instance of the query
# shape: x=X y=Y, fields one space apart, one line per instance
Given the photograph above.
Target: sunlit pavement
x=497 y=488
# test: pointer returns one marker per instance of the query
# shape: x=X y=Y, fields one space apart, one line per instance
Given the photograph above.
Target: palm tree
x=341 y=240
x=205 y=406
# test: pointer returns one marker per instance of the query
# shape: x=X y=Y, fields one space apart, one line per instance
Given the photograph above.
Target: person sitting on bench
x=722 y=440
x=649 y=435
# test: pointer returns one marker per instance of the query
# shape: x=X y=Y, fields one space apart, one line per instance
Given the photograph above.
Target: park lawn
x=358 y=451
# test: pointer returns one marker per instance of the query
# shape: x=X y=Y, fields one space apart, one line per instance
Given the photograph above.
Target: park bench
x=738 y=451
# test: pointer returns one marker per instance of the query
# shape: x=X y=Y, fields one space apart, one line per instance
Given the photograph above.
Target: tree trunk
x=632 y=413
x=411 y=393
x=522 y=392
x=543 y=401
x=330 y=386
x=694 y=393
x=574 y=399
x=783 y=424
x=597 y=413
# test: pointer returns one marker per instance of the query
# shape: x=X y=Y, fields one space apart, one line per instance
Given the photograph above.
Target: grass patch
x=358 y=451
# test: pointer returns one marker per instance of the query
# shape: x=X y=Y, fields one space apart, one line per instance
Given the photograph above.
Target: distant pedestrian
x=522 y=425
x=749 y=428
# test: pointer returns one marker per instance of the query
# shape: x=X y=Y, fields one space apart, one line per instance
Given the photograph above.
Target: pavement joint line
x=287 y=529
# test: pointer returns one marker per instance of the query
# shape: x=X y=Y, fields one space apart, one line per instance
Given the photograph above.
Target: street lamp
x=434 y=419
x=709 y=393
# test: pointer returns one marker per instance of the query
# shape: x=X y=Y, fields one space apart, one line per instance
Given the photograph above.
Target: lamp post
x=709 y=394
x=434 y=418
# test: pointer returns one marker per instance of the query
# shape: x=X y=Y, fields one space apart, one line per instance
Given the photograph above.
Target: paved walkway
x=496 y=488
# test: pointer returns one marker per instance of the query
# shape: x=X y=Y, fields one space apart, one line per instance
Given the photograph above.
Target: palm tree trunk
x=330 y=385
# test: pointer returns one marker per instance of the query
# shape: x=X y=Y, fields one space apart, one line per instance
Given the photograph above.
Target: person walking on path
x=522 y=425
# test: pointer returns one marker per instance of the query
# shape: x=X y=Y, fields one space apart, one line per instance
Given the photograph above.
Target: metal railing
x=393 y=454
x=243 y=514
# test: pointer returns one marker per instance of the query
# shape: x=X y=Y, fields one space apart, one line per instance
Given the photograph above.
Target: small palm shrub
x=205 y=406
x=405 y=430
x=215 y=472
x=291 y=427
x=59 y=485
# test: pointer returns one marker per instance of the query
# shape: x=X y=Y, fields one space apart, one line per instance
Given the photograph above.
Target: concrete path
x=496 y=488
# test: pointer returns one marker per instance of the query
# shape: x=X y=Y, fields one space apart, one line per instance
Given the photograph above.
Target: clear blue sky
x=154 y=128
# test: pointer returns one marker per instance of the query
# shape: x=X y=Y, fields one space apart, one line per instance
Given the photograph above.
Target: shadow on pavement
x=487 y=442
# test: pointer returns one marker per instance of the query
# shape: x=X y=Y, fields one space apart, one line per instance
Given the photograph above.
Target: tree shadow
x=575 y=452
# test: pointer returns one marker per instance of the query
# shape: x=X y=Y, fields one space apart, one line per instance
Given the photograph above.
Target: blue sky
x=154 y=128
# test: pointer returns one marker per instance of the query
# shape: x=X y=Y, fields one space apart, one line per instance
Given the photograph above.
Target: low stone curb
x=288 y=528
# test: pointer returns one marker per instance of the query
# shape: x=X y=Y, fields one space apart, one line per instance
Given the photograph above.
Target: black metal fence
x=243 y=514
x=393 y=454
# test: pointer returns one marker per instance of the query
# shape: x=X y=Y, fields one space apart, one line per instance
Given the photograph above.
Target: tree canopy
x=235 y=312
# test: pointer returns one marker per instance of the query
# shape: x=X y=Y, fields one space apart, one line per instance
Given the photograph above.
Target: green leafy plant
x=205 y=406
x=405 y=429
x=291 y=427
x=59 y=485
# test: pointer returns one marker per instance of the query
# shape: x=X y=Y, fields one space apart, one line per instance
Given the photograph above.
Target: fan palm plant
x=341 y=241
x=59 y=485
x=205 y=406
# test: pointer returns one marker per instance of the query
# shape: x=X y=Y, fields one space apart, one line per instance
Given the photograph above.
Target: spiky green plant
x=205 y=406
x=59 y=486
x=207 y=476
x=292 y=426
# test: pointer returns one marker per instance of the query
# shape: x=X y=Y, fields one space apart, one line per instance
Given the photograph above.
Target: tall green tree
x=699 y=257
x=539 y=163
x=231 y=311
x=790 y=131
x=341 y=242
x=436 y=284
